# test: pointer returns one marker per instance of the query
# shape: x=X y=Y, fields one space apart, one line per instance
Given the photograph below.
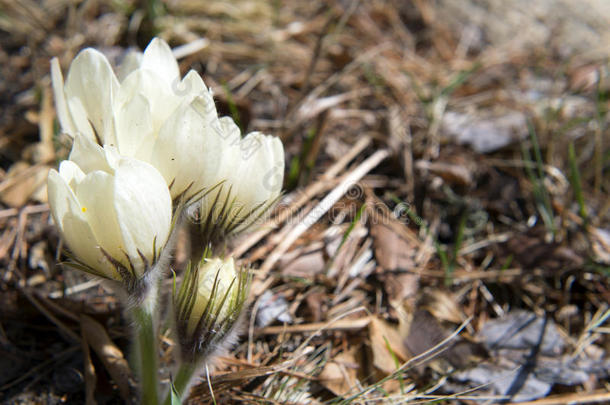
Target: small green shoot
x=459 y=79
x=541 y=194
x=601 y=112
x=576 y=183
x=349 y=230
x=396 y=364
x=298 y=164
x=457 y=245
x=447 y=262
x=507 y=263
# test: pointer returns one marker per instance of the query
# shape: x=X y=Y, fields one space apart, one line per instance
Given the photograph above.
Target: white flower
x=114 y=212
x=250 y=181
x=209 y=305
x=150 y=114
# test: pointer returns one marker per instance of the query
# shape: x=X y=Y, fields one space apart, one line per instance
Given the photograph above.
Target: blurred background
x=474 y=135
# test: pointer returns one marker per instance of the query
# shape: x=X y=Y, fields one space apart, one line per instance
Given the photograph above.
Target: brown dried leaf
x=452 y=173
x=426 y=332
x=316 y=302
x=443 y=306
x=531 y=250
x=339 y=374
x=305 y=266
x=392 y=251
x=400 y=286
x=24 y=182
x=387 y=345
x=586 y=77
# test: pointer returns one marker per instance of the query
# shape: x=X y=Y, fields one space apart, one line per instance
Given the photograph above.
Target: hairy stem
x=181 y=381
x=146 y=349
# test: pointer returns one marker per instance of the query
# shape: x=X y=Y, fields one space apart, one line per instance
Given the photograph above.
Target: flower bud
x=151 y=114
x=208 y=307
x=249 y=183
x=114 y=212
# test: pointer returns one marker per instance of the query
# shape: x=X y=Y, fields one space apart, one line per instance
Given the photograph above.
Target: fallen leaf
x=528 y=359
x=39 y=258
x=392 y=252
x=426 y=332
x=270 y=308
x=399 y=286
x=530 y=250
x=339 y=375
x=501 y=380
x=305 y=266
x=485 y=134
x=587 y=77
x=522 y=330
x=450 y=172
x=24 y=182
x=387 y=346
x=316 y=302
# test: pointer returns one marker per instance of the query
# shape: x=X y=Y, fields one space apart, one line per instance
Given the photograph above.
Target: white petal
x=192 y=86
x=68 y=215
x=134 y=128
x=274 y=178
x=259 y=154
x=159 y=58
x=159 y=94
x=61 y=198
x=228 y=175
x=92 y=80
x=89 y=156
x=63 y=114
x=79 y=237
x=143 y=207
x=96 y=194
x=80 y=118
x=130 y=62
x=230 y=130
x=260 y=173
x=188 y=152
x=71 y=173
x=113 y=157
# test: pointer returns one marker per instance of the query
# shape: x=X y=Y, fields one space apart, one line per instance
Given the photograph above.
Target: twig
x=342 y=325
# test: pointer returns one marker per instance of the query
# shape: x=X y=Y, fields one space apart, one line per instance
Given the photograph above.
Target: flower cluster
x=150 y=114
x=149 y=150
